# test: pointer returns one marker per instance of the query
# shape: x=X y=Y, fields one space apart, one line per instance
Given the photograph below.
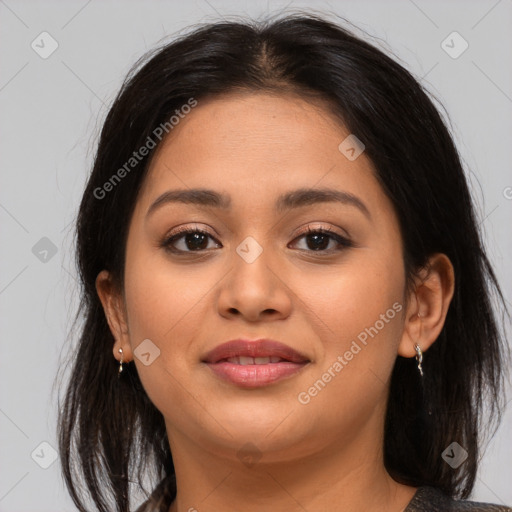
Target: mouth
x=257 y=363
x=245 y=360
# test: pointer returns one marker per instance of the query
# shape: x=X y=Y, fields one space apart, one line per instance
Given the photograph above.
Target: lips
x=258 y=350
x=252 y=364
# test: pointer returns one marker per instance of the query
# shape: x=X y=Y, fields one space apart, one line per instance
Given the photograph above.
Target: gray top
x=429 y=499
x=426 y=499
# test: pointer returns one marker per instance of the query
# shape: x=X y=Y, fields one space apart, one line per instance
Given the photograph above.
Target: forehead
x=252 y=119
x=257 y=146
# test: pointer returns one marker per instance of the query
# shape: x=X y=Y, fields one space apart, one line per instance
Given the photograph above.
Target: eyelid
x=314 y=227
x=181 y=231
x=187 y=229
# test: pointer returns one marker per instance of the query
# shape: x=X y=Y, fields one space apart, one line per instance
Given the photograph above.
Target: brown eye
x=318 y=240
x=190 y=240
x=197 y=240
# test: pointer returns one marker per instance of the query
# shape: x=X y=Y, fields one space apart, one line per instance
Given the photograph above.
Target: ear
x=428 y=305
x=115 y=311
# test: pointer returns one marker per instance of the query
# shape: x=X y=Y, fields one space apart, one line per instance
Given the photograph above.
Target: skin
x=323 y=455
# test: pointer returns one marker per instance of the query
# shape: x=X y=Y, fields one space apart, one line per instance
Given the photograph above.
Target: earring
x=419 y=357
x=120 y=363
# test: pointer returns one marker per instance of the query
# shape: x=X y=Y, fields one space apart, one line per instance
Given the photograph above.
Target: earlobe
x=115 y=314
x=428 y=305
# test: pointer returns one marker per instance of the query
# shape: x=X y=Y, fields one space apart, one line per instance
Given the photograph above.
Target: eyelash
x=180 y=233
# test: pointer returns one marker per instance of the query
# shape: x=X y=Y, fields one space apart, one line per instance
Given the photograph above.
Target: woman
x=286 y=298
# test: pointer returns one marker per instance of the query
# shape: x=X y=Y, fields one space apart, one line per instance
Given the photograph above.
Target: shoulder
x=162 y=497
x=430 y=499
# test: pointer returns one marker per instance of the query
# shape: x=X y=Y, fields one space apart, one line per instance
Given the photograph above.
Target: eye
x=189 y=240
x=319 y=239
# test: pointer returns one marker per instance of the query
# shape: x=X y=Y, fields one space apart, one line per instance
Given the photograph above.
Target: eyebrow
x=287 y=201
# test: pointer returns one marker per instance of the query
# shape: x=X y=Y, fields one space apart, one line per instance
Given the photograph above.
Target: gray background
x=52 y=110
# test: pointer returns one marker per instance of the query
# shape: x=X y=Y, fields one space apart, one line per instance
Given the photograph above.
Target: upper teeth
x=253 y=360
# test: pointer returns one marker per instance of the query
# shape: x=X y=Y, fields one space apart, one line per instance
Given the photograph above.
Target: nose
x=254 y=290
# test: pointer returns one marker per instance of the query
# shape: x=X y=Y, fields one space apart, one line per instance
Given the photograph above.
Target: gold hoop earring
x=419 y=358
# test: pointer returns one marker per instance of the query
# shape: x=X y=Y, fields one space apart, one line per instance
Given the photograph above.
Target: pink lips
x=271 y=361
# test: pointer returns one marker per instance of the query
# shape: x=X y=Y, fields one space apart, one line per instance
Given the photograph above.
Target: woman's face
x=258 y=274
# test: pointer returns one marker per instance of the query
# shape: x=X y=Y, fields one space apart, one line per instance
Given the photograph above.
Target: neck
x=343 y=476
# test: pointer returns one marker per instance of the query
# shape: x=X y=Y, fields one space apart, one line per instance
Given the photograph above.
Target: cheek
x=359 y=312
x=165 y=309
x=162 y=297
x=353 y=297
x=349 y=383
x=169 y=305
